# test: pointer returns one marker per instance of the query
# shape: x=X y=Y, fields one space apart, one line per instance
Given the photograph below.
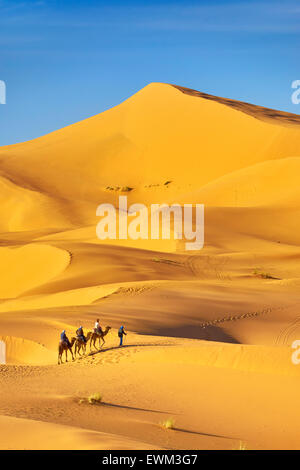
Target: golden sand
x=209 y=333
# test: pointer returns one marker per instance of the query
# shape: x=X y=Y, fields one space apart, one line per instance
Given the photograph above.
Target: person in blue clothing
x=80 y=334
x=64 y=338
x=121 y=333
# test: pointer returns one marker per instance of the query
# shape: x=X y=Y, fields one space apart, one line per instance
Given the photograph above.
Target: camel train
x=81 y=342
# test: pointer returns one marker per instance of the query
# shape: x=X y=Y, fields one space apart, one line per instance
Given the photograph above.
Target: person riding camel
x=64 y=338
x=80 y=334
x=97 y=327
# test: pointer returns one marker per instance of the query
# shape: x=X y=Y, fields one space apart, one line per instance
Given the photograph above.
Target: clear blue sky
x=64 y=61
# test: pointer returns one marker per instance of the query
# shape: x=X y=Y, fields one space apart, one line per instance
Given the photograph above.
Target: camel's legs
x=66 y=355
x=71 y=353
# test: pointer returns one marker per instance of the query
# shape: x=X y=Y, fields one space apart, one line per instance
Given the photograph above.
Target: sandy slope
x=210 y=332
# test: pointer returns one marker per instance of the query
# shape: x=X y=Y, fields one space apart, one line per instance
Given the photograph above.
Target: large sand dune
x=209 y=332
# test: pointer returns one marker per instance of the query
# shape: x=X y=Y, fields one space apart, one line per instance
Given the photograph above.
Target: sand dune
x=20 y=351
x=209 y=333
x=34 y=434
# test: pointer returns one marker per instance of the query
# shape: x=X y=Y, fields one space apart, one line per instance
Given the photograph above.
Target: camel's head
x=107 y=328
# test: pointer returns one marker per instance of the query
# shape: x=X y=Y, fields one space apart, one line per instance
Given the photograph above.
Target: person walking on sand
x=120 y=334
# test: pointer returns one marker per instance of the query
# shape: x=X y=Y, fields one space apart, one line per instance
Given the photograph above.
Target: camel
x=81 y=345
x=63 y=346
x=100 y=336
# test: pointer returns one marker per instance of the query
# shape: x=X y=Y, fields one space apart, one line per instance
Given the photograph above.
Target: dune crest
x=259 y=112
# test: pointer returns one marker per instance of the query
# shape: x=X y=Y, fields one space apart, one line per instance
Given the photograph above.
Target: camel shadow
x=140 y=345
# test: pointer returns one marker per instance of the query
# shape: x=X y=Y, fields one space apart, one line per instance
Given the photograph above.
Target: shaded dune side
x=258 y=112
x=24 y=351
x=24 y=208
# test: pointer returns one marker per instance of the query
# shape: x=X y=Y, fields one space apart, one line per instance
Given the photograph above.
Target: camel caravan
x=80 y=341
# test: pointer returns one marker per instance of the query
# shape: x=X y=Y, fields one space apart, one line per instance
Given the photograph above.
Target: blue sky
x=64 y=61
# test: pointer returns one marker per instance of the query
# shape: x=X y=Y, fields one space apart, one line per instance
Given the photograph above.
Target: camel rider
x=97 y=327
x=64 y=338
x=121 y=332
x=80 y=334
